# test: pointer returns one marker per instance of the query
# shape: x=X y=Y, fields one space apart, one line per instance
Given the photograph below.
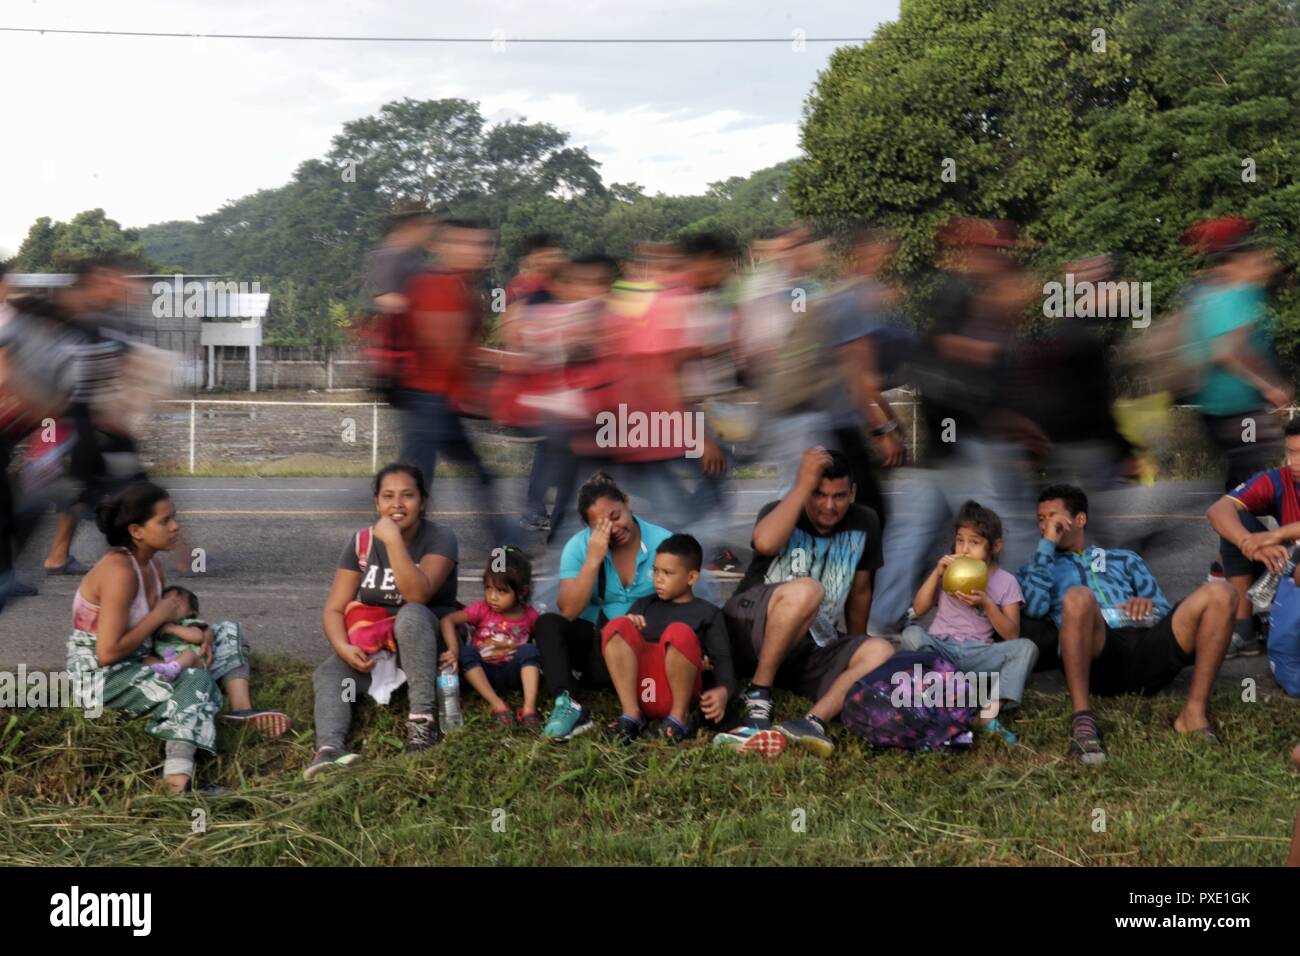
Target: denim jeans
x=430 y=427
x=1012 y=661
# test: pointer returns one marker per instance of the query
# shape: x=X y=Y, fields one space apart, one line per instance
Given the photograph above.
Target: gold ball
x=966 y=575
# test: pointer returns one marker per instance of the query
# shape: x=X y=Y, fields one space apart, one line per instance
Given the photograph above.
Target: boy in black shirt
x=657 y=654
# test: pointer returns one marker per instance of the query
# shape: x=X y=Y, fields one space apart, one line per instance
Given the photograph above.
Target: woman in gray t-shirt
x=404 y=564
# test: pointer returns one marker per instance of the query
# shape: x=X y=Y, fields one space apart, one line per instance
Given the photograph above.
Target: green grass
x=86 y=792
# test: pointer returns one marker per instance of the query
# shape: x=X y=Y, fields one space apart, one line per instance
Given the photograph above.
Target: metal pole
x=374 y=436
x=191 y=438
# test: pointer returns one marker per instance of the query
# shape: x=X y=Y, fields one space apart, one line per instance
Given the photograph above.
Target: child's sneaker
x=269 y=723
x=327 y=758
x=997 y=728
x=568 y=719
x=769 y=743
x=757 y=705
x=504 y=718
x=808 y=734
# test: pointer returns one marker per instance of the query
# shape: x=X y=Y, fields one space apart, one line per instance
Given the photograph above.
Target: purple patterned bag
x=916 y=700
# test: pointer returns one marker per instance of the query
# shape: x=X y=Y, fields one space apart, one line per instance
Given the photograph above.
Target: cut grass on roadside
x=77 y=792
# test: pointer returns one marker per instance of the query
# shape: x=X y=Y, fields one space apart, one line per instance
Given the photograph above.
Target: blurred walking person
x=1240 y=390
x=403 y=254
x=977 y=444
x=443 y=327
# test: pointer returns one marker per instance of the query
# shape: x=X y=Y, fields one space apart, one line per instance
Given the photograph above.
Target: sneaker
x=327 y=758
x=768 y=743
x=625 y=730
x=675 y=733
x=421 y=734
x=724 y=560
x=1244 y=647
x=504 y=718
x=269 y=723
x=568 y=719
x=1088 y=749
x=528 y=720
x=998 y=729
x=757 y=705
x=807 y=734
x=535 y=523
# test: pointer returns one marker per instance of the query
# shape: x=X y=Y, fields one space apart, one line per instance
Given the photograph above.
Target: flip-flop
x=270 y=723
x=1204 y=734
x=208 y=789
x=70 y=566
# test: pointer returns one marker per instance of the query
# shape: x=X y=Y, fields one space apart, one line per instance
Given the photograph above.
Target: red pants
x=653 y=690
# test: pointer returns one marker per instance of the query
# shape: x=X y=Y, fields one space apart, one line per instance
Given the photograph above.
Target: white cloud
x=158 y=129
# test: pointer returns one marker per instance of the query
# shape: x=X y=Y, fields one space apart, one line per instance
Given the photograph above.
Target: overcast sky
x=158 y=129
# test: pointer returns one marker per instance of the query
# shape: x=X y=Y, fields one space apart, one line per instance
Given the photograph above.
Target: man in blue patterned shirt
x=1118 y=633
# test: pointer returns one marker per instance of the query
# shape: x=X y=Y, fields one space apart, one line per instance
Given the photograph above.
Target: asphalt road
x=271 y=546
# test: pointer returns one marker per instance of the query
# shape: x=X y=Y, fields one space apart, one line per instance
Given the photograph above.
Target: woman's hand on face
x=599 y=544
x=387 y=531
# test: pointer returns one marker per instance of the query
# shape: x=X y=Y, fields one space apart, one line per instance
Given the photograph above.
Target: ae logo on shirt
x=372 y=571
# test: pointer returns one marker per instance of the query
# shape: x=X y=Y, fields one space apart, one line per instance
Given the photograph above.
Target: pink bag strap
x=363 y=548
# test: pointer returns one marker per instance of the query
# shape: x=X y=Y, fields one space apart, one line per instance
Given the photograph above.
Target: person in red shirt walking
x=443 y=328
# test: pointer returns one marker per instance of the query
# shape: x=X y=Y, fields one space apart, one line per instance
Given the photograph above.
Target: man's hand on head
x=815 y=461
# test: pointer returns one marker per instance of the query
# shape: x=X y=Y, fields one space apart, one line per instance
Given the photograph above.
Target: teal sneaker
x=568 y=719
x=997 y=728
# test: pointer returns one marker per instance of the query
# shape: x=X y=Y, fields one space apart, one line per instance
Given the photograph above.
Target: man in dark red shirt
x=443 y=327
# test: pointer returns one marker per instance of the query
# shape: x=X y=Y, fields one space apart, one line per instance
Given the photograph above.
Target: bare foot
x=177 y=782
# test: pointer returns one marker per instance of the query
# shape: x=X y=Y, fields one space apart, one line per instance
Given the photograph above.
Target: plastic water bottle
x=449 y=717
x=1263 y=591
x=1118 y=617
x=823 y=630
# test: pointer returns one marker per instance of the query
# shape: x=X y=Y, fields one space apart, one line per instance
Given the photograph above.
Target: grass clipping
x=77 y=792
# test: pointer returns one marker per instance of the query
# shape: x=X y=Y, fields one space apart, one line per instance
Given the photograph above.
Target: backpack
x=1162 y=358
x=795 y=378
x=889 y=707
x=1284 y=637
x=383 y=340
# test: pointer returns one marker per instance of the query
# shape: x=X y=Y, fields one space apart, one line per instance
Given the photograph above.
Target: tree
x=59 y=246
x=1019 y=109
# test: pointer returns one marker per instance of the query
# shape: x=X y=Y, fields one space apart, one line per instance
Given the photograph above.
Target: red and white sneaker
x=768 y=743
